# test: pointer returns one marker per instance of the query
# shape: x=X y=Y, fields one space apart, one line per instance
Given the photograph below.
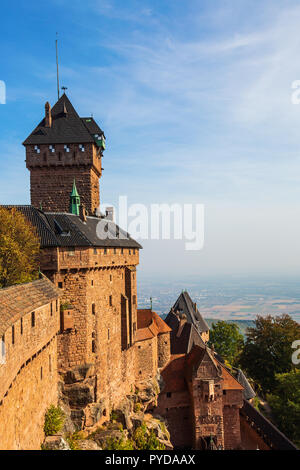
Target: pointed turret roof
x=74 y=192
x=67 y=127
x=184 y=304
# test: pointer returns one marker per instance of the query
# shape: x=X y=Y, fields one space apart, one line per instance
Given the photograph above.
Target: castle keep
x=76 y=334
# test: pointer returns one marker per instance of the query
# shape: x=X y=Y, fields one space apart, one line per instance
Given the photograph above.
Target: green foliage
x=268 y=349
x=113 y=416
x=256 y=403
x=285 y=404
x=19 y=249
x=54 y=420
x=145 y=440
x=227 y=340
x=72 y=439
x=119 y=444
x=137 y=407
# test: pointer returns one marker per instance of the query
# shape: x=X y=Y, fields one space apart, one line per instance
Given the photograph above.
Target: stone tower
x=64 y=147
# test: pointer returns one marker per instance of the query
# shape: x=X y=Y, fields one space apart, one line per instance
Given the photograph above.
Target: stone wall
x=164 y=349
x=101 y=291
x=28 y=378
x=232 y=432
x=249 y=437
x=146 y=360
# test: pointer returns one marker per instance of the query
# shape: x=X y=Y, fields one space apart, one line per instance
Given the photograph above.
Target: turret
x=64 y=147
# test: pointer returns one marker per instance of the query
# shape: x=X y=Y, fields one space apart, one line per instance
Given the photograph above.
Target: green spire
x=74 y=200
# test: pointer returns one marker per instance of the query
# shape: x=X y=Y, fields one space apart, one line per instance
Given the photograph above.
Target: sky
x=195 y=99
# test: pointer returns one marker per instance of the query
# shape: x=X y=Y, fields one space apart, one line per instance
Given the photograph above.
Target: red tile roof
x=149 y=324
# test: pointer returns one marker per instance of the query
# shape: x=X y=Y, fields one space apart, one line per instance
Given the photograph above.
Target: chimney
x=82 y=212
x=109 y=212
x=182 y=322
x=48 y=116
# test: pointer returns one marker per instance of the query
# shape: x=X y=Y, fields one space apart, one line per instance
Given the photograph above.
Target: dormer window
x=52 y=148
x=66 y=148
x=37 y=149
x=81 y=147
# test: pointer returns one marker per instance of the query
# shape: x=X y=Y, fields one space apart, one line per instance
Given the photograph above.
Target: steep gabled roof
x=182 y=341
x=184 y=304
x=248 y=390
x=67 y=127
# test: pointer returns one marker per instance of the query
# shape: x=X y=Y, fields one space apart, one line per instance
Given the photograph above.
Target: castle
x=80 y=321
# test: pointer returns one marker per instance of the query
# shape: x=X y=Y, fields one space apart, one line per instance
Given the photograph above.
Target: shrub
x=54 y=420
x=137 y=407
x=119 y=444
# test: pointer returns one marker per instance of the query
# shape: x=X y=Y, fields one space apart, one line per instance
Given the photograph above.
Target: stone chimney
x=82 y=212
x=48 y=116
x=109 y=212
x=182 y=322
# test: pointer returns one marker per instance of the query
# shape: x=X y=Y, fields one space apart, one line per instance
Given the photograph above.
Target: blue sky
x=195 y=101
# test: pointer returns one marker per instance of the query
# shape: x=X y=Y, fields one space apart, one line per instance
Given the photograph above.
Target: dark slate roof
x=62 y=229
x=183 y=341
x=17 y=300
x=67 y=128
x=270 y=434
x=248 y=390
x=184 y=304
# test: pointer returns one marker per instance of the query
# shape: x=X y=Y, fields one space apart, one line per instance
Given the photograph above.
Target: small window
x=110 y=278
x=60 y=285
x=93 y=346
x=108 y=334
x=122 y=251
x=33 y=319
x=59 y=156
x=95 y=251
x=110 y=301
x=21 y=326
x=93 y=309
x=224 y=392
x=37 y=149
x=52 y=148
x=134 y=299
x=115 y=251
x=169 y=394
x=71 y=251
x=81 y=147
x=51 y=309
x=50 y=364
x=57 y=305
x=13 y=334
x=134 y=251
x=41 y=373
x=105 y=251
x=92 y=283
x=129 y=251
x=66 y=148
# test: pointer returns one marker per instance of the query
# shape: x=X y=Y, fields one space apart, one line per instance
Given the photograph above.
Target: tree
x=19 y=249
x=268 y=349
x=285 y=404
x=227 y=340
